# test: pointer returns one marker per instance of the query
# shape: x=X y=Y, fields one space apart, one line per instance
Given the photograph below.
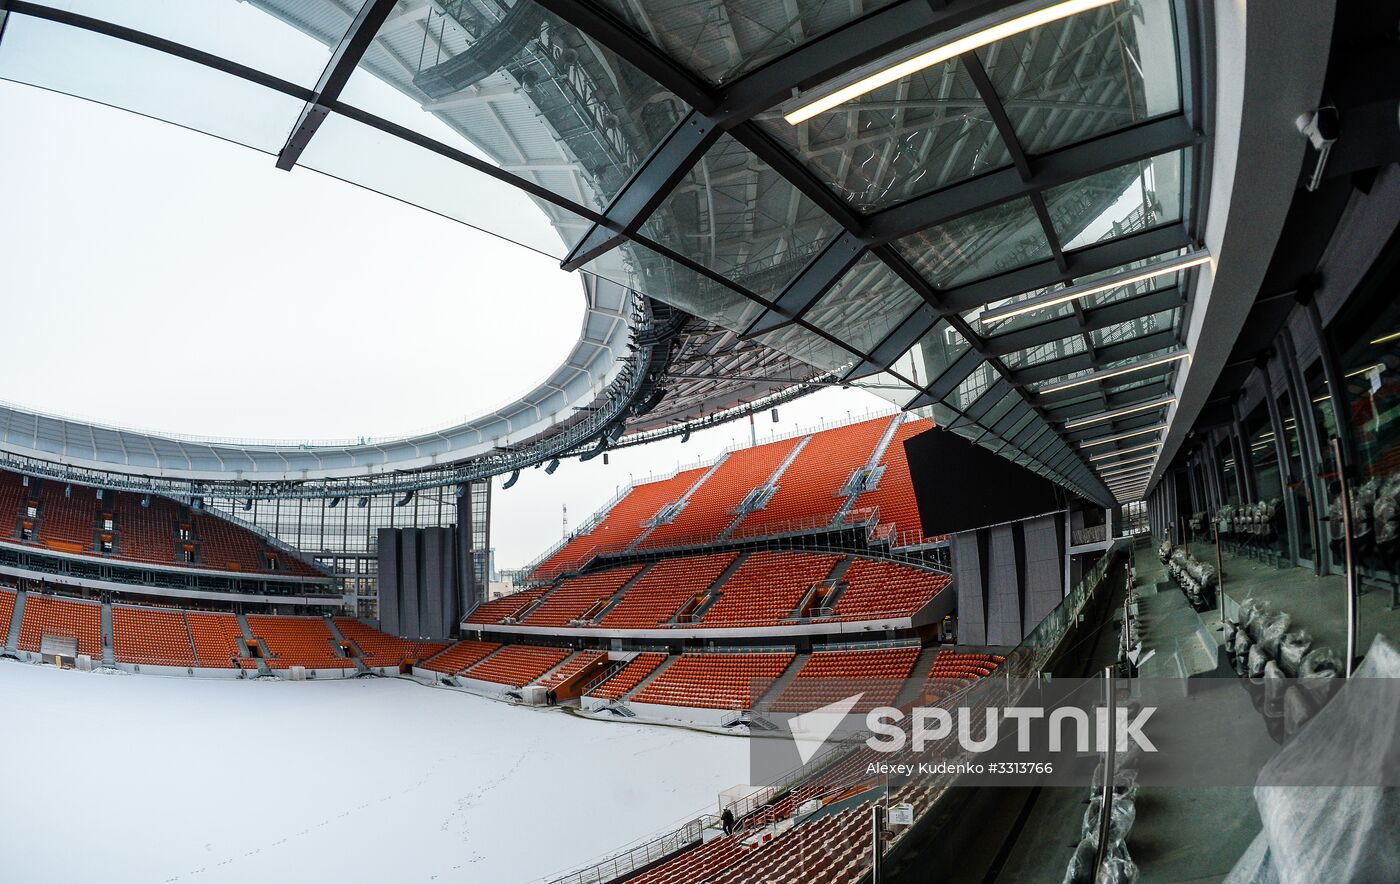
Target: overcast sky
x=162 y=279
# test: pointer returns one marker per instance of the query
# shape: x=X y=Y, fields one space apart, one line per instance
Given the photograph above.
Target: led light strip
x=1122 y=412
x=1122 y=451
x=1386 y=339
x=1127 y=369
x=940 y=53
x=1098 y=286
x=1104 y=440
x=1123 y=469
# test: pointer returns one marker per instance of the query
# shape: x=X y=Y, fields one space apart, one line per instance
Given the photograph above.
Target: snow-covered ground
x=144 y=779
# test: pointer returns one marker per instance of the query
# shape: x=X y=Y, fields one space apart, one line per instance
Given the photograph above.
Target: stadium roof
x=1005 y=236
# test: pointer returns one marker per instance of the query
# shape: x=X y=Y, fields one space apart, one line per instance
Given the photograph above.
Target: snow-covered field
x=143 y=779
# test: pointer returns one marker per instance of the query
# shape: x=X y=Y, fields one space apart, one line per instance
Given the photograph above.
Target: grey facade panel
x=390 y=619
x=1044 y=568
x=1003 y=589
x=967 y=577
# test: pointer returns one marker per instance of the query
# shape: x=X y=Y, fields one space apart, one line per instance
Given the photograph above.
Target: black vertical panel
x=388 y=582
x=431 y=584
x=465 y=583
x=1018 y=543
x=410 y=566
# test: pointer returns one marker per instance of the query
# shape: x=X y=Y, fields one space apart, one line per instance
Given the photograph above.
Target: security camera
x=1321 y=126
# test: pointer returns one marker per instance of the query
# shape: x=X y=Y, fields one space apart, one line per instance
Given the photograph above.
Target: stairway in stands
x=679 y=505
x=649 y=679
x=248 y=639
x=358 y=657
x=770 y=486
x=12 y=639
x=914 y=686
x=871 y=464
x=766 y=701
x=109 y=654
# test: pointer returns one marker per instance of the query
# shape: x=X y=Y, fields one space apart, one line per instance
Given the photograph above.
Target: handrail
x=629 y=861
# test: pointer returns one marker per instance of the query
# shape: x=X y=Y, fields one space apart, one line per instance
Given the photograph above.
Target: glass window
x=1118 y=201
x=900 y=141
x=1091 y=73
x=1067 y=346
x=124 y=75
x=936 y=351
x=978 y=245
x=735 y=215
x=721 y=39
x=1134 y=328
x=528 y=89
x=865 y=306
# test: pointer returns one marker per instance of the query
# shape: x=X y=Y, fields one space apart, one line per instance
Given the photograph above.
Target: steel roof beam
x=345 y=59
x=1095 y=319
x=1061 y=167
x=667 y=165
x=1109 y=402
x=822 y=273
x=1112 y=353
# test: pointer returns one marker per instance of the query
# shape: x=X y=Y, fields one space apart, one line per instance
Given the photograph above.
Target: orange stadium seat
x=664 y=588
x=459 y=656
x=216 y=638
x=45 y=615
x=716 y=681
x=766 y=588
x=579 y=596
x=629 y=676
x=828 y=676
x=499 y=609
x=517 y=665
x=711 y=508
x=151 y=635
x=298 y=641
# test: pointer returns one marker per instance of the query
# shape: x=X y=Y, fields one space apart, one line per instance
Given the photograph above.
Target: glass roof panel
x=973 y=386
x=721 y=39
x=124 y=75
x=811 y=348
x=899 y=141
x=1134 y=328
x=978 y=245
x=1088 y=74
x=644 y=270
x=738 y=217
x=528 y=89
x=1117 y=202
x=239 y=32
x=867 y=303
x=1044 y=352
x=363 y=155
x=935 y=351
x=889 y=387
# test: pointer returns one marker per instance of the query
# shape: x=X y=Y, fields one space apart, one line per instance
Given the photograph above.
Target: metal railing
x=643 y=855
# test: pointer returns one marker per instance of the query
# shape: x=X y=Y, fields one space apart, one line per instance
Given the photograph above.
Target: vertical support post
x=1219 y=575
x=1345 y=484
x=877 y=828
x=1110 y=746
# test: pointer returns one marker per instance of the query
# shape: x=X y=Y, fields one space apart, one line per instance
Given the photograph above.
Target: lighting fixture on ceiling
x=1386 y=339
x=1360 y=371
x=920 y=56
x=1114 y=415
x=1174 y=264
x=1137 y=463
x=1104 y=440
x=1122 y=451
x=1120 y=475
x=1103 y=375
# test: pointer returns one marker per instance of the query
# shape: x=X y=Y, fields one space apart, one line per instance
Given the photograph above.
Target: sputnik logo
x=810 y=730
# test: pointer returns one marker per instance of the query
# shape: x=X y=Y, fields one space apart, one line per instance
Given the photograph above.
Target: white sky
x=191 y=287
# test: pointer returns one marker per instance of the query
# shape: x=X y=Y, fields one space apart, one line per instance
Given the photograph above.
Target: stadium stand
x=809 y=490
x=716 y=680
x=506 y=606
x=146 y=532
x=517 y=665
x=828 y=676
x=580 y=597
x=766 y=588
x=45 y=615
x=877 y=588
x=155 y=636
x=899 y=511
x=620 y=526
x=711 y=507
x=7 y=610
x=659 y=594
x=67 y=517
x=629 y=676
x=580 y=662
x=70 y=521
x=217 y=637
x=12 y=494
x=381 y=649
x=298 y=641
x=953 y=670
x=459 y=656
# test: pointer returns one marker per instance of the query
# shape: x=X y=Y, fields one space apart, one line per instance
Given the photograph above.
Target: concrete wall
x=1008 y=577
